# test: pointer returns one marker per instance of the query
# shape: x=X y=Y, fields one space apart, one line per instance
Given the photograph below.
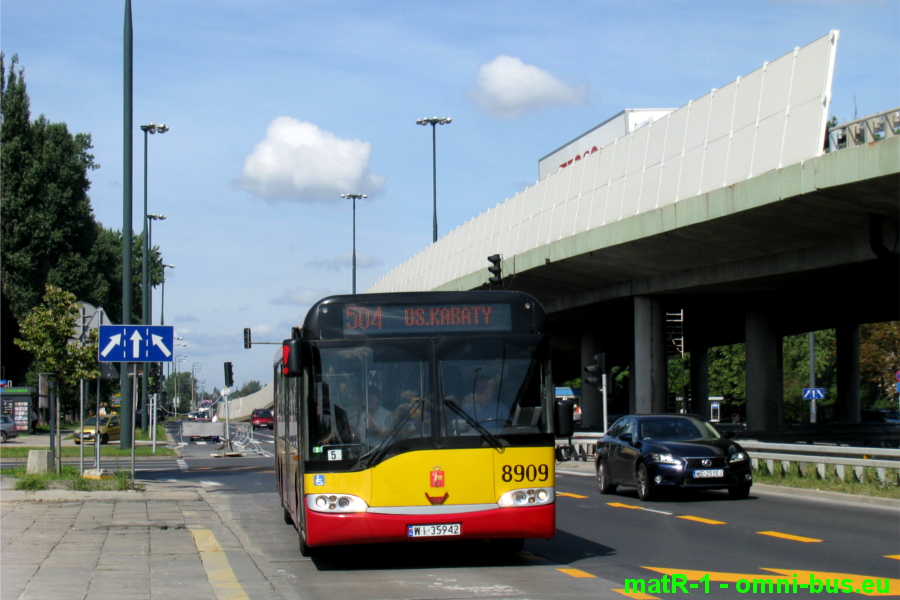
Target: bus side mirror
x=563 y=418
x=291 y=363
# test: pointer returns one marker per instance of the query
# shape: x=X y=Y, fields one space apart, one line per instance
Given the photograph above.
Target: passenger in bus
x=375 y=421
x=417 y=423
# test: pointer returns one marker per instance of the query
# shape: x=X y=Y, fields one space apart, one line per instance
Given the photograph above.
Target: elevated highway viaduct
x=806 y=247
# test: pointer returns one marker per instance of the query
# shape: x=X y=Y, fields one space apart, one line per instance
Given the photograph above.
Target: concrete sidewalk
x=167 y=542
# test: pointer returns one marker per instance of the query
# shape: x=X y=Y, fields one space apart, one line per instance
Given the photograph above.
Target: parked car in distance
x=871 y=415
x=7 y=428
x=656 y=452
x=262 y=417
x=891 y=415
x=110 y=429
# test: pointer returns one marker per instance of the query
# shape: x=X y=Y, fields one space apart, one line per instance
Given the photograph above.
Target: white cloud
x=363 y=261
x=298 y=162
x=508 y=88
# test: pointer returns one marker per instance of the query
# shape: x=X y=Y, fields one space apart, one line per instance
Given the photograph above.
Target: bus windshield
x=377 y=398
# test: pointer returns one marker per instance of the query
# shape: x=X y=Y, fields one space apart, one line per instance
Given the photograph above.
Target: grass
x=108 y=450
x=870 y=485
x=70 y=479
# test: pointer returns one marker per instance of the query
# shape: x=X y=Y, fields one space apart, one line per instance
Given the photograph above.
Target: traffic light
x=496 y=270
x=247 y=342
x=596 y=371
x=229 y=375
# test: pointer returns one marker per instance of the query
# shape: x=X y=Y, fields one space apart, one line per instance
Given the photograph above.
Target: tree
x=47 y=334
x=48 y=234
x=879 y=360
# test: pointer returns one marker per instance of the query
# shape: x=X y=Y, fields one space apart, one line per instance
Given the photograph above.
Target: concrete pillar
x=650 y=372
x=700 y=379
x=765 y=371
x=847 y=405
x=591 y=399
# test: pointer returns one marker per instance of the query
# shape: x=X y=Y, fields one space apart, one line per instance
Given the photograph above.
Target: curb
x=153 y=491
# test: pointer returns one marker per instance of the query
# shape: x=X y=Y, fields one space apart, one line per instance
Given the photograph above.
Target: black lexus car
x=655 y=452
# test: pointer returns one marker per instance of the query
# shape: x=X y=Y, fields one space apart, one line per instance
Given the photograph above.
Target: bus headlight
x=527 y=497
x=336 y=503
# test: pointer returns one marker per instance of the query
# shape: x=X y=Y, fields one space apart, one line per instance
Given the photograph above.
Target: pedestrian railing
x=243 y=440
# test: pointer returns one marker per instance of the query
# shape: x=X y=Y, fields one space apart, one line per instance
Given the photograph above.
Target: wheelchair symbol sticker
x=318 y=480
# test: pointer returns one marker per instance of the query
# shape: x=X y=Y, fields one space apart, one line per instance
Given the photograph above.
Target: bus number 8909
x=519 y=473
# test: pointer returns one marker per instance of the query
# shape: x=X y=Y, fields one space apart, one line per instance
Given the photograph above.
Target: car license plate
x=433 y=530
x=701 y=473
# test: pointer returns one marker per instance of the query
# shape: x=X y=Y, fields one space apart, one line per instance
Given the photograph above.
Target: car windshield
x=262 y=414
x=93 y=421
x=663 y=429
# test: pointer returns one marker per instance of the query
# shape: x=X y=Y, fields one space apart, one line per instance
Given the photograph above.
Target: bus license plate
x=433 y=530
x=709 y=473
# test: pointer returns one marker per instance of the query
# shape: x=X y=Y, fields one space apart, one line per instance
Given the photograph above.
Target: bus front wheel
x=305 y=549
x=508 y=546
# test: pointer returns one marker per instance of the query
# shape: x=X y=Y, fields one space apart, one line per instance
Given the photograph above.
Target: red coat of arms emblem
x=437 y=478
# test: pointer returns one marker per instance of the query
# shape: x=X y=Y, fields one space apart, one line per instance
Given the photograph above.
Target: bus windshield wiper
x=375 y=455
x=490 y=437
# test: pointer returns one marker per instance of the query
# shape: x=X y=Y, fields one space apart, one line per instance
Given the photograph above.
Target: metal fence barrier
x=847 y=460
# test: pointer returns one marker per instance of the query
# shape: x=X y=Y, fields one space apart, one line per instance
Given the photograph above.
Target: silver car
x=7 y=428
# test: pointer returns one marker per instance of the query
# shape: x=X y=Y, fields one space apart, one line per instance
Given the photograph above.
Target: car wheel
x=603 y=479
x=3 y=436
x=645 y=492
x=104 y=439
x=739 y=492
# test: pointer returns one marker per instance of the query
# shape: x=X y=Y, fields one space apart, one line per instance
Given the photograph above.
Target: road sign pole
x=134 y=399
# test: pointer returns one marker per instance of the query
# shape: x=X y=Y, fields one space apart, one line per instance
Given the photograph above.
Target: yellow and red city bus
x=417 y=416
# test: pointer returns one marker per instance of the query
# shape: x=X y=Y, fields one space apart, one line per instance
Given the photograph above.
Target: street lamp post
x=197 y=366
x=162 y=302
x=179 y=358
x=434 y=121
x=354 y=197
x=145 y=279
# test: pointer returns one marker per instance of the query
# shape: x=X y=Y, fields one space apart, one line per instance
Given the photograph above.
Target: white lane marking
x=200 y=443
x=181 y=464
x=210 y=483
x=579 y=473
x=662 y=512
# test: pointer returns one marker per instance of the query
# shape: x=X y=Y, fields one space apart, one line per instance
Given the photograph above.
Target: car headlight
x=738 y=457
x=665 y=459
x=527 y=497
x=336 y=503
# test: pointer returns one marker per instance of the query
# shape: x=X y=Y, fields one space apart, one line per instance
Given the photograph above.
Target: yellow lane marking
x=620 y=505
x=568 y=495
x=636 y=595
x=575 y=573
x=894 y=556
x=845 y=582
x=788 y=536
x=221 y=578
x=701 y=520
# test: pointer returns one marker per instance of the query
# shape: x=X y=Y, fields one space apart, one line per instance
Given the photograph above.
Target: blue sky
x=276 y=107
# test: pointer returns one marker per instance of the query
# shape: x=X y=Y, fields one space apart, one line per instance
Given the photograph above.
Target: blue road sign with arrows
x=136 y=343
x=813 y=393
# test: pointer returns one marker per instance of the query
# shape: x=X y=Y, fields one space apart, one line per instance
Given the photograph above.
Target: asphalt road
x=601 y=540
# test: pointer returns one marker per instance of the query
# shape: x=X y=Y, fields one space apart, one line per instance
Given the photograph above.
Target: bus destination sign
x=447 y=318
